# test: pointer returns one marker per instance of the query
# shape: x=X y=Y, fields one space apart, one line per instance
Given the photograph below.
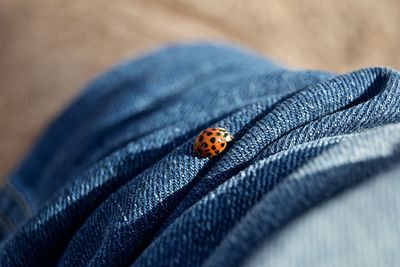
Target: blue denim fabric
x=114 y=181
x=355 y=159
x=358 y=228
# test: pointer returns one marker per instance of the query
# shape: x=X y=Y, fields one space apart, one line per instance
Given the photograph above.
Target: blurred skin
x=50 y=49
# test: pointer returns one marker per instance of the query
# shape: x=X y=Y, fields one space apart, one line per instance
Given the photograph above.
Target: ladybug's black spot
x=216 y=151
x=212 y=140
x=209 y=133
x=226 y=134
x=222 y=144
x=204 y=145
x=218 y=134
x=213 y=147
x=222 y=130
x=201 y=138
x=208 y=154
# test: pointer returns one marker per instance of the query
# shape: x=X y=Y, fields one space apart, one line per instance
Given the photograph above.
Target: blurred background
x=50 y=49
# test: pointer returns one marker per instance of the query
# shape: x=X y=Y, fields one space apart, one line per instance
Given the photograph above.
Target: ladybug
x=211 y=142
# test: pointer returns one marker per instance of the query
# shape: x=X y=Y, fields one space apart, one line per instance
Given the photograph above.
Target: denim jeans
x=114 y=181
x=359 y=228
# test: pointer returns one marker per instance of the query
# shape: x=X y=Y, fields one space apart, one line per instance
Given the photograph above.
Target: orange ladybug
x=211 y=142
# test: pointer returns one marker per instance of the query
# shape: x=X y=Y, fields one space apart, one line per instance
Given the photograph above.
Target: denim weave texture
x=114 y=181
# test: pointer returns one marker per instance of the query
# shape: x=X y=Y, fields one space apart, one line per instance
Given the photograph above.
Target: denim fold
x=114 y=180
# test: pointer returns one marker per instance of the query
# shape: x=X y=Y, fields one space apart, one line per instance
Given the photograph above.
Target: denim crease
x=358 y=229
x=114 y=181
